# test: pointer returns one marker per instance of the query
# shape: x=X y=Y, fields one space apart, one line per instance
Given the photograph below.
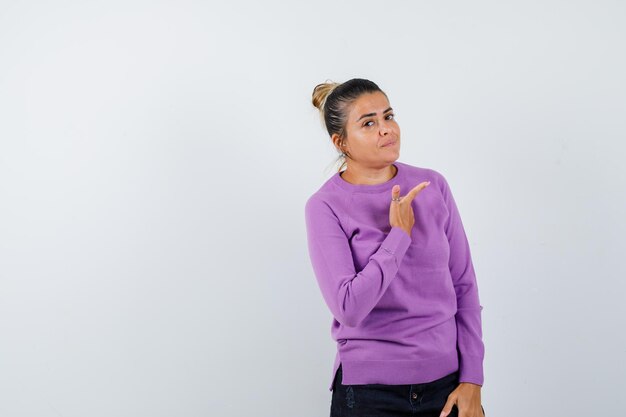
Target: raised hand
x=401 y=210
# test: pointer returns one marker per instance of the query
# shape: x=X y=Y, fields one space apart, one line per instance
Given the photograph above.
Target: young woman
x=393 y=263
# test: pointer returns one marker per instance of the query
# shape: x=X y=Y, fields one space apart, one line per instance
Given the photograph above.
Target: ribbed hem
x=398 y=372
x=471 y=370
x=397 y=242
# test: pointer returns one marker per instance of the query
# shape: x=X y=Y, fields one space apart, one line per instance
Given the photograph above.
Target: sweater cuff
x=471 y=370
x=397 y=242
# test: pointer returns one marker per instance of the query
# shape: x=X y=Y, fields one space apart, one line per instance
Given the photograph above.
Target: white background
x=155 y=158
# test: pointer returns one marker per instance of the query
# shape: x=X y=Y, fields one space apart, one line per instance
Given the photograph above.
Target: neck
x=369 y=176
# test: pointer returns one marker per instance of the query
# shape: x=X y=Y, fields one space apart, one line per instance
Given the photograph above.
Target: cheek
x=362 y=135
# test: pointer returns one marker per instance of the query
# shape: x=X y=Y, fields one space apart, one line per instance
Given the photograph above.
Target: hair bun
x=321 y=93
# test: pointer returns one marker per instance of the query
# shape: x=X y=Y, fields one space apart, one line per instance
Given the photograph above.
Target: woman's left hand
x=467 y=399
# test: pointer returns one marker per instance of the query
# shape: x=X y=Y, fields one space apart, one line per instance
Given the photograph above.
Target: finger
x=447 y=408
x=395 y=191
x=411 y=194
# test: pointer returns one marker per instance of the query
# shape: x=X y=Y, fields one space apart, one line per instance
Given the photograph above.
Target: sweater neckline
x=371 y=188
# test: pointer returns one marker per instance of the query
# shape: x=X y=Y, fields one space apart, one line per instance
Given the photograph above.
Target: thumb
x=448 y=407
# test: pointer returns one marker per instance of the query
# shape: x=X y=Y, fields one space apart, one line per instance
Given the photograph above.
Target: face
x=373 y=135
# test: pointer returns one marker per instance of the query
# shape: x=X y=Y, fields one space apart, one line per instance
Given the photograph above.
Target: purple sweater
x=406 y=309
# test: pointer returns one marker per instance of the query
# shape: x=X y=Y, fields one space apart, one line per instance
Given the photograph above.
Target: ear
x=336 y=139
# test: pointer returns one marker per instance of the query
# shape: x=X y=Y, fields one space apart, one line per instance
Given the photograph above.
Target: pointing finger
x=411 y=194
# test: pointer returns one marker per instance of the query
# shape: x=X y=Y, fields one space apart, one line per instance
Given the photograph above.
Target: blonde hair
x=321 y=93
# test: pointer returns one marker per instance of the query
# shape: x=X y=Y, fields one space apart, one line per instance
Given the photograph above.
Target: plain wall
x=155 y=158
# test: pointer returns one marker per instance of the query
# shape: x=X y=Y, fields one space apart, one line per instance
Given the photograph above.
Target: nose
x=384 y=129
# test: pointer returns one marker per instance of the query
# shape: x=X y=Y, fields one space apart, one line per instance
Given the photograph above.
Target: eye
x=388 y=117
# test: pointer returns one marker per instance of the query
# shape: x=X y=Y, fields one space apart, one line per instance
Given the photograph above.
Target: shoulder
x=319 y=200
x=328 y=199
x=326 y=211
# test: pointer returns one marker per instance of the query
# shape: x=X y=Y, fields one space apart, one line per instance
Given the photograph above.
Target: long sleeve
x=349 y=294
x=468 y=317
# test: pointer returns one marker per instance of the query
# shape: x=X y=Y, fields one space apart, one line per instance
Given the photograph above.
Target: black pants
x=380 y=400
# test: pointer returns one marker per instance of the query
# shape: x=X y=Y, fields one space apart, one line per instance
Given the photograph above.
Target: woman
x=395 y=270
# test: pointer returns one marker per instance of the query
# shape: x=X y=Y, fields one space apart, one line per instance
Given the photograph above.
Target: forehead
x=369 y=103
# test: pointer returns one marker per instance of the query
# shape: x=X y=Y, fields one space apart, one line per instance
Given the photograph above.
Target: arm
x=350 y=295
x=468 y=317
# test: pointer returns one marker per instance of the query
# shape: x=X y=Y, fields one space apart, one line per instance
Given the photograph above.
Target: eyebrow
x=372 y=114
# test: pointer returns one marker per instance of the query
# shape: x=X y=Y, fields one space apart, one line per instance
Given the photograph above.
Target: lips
x=391 y=142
